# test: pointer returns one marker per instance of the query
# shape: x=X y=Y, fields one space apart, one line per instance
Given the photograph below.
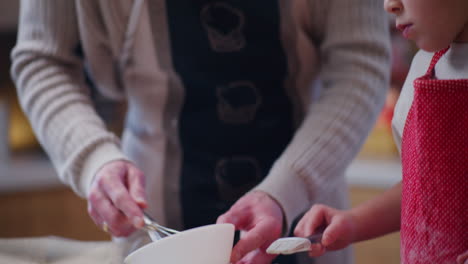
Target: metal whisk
x=155 y=230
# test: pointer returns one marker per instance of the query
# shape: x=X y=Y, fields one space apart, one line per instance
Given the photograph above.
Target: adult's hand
x=260 y=220
x=117 y=197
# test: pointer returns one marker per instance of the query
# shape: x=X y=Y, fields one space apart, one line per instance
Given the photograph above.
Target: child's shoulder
x=422 y=57
x=419 y=64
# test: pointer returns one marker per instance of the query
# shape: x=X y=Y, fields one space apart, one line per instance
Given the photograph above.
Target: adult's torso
x=220 y=107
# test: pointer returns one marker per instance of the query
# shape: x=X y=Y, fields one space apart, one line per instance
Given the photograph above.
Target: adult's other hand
x=117 y=197
x=260 y=219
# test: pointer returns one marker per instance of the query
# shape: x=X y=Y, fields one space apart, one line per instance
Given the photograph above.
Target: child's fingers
x=313 y=219
x=338 y=229
x=316 y=250
x=303 y=227
x=463 y=258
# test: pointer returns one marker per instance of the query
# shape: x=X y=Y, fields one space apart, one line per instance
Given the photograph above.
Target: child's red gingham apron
x=434 y=226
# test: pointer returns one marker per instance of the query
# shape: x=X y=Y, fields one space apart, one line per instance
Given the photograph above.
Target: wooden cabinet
x=57 y=212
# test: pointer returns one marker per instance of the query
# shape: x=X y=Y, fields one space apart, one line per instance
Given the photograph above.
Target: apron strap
x=434 y=61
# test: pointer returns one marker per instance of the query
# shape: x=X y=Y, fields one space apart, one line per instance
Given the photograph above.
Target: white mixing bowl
x=211 y=244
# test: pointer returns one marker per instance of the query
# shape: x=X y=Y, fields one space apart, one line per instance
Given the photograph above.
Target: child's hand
x=463 y=258
x=339 y=231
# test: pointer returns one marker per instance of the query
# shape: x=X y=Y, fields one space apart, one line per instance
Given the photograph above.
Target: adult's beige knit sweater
x=339 y=46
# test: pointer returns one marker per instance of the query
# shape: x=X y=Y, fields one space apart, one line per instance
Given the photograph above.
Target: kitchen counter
x=374 y=173
x=27 y=172
x=41 y=209
x=58 y=250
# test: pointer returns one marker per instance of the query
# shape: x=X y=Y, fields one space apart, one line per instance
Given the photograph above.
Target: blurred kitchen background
x=34 y=203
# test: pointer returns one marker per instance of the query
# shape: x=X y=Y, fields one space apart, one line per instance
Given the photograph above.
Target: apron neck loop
x=435 y=59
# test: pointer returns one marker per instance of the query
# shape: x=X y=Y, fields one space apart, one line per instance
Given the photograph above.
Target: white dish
x=211 y=244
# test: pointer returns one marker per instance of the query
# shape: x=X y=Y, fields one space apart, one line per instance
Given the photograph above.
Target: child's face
x=431 y=24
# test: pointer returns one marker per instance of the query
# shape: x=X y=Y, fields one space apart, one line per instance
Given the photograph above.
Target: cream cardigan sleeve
x=354 y=51
x=54 y=96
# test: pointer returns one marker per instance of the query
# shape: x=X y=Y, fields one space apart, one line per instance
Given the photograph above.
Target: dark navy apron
x=236 y=118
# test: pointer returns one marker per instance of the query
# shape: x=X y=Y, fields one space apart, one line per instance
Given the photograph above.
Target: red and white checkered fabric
x=434 y=216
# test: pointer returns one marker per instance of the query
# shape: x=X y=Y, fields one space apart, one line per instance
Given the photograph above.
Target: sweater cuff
x=291 y=192
x=101 y=155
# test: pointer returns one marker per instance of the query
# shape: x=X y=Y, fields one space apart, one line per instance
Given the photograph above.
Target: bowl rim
x=183 y=233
